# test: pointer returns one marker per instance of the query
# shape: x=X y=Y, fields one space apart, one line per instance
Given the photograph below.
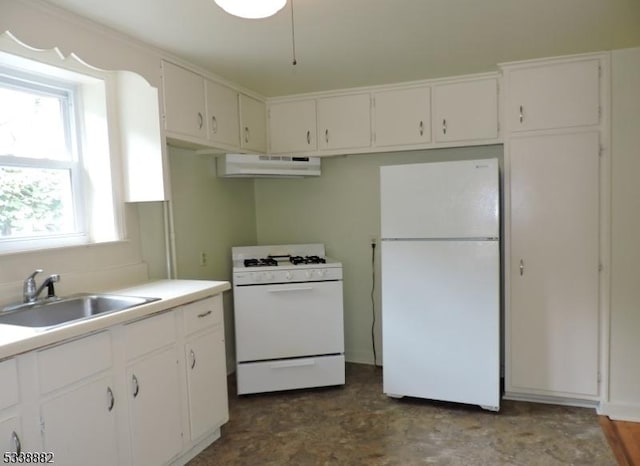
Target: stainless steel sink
x=46 y=314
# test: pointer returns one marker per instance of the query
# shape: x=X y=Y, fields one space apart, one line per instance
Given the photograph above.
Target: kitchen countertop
x=15 y=340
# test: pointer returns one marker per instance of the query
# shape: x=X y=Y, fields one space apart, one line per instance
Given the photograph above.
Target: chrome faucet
x=29 y=291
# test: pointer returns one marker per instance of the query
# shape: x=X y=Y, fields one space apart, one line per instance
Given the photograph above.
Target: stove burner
x=296 y=260
x=262 y=262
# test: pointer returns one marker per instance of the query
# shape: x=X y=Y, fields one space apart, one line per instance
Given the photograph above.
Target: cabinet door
x=556 y=95
x=79 y=425
x=402 y=117
x=222 y=114
x=344 y=122
x=253 y=127
x=10 y=434
x=292 y=127
x=207 y=382
x=465 y=111
x=154 y=408
x=553 y=316
x=184 y=101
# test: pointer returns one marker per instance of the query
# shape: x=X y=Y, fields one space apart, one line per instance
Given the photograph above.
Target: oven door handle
x=286 y=290
x=294 y=363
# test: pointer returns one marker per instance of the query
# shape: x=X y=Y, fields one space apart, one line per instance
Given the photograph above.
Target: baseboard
x=360 y=357
x=196 y=449
x=620 y=411
x=552 y=400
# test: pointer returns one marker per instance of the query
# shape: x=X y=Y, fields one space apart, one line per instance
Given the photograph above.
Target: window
x=40 y=182
x=56 y=186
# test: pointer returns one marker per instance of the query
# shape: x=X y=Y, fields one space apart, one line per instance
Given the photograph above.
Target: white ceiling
x=348 y=43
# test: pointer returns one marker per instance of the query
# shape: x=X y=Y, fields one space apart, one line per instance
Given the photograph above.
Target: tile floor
x=358 y=425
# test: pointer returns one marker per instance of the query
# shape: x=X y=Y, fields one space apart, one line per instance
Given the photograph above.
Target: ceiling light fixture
x=252 y=9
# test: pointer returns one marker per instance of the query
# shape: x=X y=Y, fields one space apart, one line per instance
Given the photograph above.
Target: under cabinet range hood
x=274 y=166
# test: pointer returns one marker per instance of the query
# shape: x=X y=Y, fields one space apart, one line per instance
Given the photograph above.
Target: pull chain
x=293 y=37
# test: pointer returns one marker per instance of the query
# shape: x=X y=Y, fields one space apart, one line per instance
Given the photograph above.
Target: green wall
x=341 y=209
x=210 y=215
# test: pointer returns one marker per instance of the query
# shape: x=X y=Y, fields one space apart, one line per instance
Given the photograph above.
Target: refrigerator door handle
x=521 y=267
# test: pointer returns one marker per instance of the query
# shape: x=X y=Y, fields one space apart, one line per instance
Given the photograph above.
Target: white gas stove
x=283 y=264
x=288 y=317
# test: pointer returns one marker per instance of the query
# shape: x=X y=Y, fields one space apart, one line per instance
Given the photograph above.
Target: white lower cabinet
x=77 y=401
x=205 y=366
x=79 y=424
x=10 y=421
x=154 y=408
x=206 y=379
x=10 y=433
x=122 y=396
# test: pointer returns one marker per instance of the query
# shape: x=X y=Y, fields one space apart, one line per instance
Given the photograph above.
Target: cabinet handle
x=204 y=314
x=112 y=400
x=326 y=136
x=521 y=267
x=16 y=442
x=421 y=128
x=308 y=137
x=193 y=359
x=444 y=126
x=521 y=114
x=136 y=386
x=246 y=134
x=214 y=125
x=200 y=120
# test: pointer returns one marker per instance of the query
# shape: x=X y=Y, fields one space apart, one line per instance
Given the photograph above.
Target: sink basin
x=70 y=309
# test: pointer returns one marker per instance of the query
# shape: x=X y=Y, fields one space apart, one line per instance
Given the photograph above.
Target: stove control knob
x=288 y=276
x=308 y=273
x=256 y=276
x=321 y=273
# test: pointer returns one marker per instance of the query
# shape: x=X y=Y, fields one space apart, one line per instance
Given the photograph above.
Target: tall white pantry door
x=554 y=260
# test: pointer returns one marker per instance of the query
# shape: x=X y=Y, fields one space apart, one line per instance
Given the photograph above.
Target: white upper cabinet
x=222 y=114
x=292 y=127
x=253 y=124
x=344 y=122
x=402 y=117
x=184 y=101
x=554 y=95
x=465 y=111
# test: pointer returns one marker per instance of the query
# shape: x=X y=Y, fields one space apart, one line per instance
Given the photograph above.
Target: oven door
x=288 y=320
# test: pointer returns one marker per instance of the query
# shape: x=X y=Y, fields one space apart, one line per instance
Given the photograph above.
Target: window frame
x=70 y=97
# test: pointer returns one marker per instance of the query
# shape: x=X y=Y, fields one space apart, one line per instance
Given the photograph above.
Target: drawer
x=69 y=362
x=9 y=395
x=268 y=376
x=202 y=314
x=149 y=334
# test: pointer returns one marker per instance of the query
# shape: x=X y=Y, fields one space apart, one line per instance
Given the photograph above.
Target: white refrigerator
x=440 y=281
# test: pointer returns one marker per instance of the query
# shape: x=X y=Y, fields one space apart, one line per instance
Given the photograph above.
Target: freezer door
x=440 y=200
x=441 y=320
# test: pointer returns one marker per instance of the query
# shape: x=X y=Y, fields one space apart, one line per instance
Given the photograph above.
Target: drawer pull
x=294 y=363
x=112 y=400
x=297 y=288
x=204 y=314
